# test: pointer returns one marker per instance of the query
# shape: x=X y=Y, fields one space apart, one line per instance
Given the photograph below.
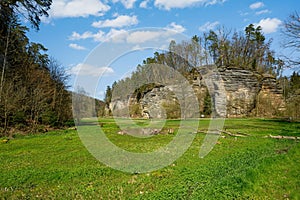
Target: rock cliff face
x=245 y=93
x=242 y=87
x=251 y=94
x=269 y=100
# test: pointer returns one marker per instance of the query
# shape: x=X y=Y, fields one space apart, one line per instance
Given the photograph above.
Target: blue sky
x=76 y=28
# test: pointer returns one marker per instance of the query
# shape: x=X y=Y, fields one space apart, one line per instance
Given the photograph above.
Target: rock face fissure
x=245 y=93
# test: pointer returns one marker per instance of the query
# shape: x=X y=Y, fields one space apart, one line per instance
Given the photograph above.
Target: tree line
x=223 y=48
x=291 y=93
x=33 y=86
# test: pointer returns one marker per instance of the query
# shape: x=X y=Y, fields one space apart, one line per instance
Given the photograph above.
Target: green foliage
x=207 y=110
x=291 y=92
x=246 y=51
x=69 y=123
x=293 y=107
x=295 y=82
x=213 y=46
x=108 y=95
x=32 y=9
x=49 y=118
x=172 y=109
x=135 y=110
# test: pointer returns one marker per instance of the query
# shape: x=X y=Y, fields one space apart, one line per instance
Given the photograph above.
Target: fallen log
x=232 y=134
x=245 y=134
x=283 y=137
x=205 y=131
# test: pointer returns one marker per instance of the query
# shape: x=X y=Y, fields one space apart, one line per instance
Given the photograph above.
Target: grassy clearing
x=56 y=165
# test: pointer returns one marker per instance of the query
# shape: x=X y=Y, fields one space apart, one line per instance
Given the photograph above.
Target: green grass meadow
x=56 y=165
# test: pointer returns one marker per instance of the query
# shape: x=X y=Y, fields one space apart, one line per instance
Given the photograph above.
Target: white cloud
x=262 y=12
x=90 y=70
x=87 y=35
x=169 y=4
x=256 y=5
x=132 y=37
x=114 y=35
x=126 y=3
x=118 y=22
x=209 y=26
x=269 y=25
x=144 y=4
x=176 y=27
x=136 y=48
x=76 y=46
x=77 y=36
x=142 y=36
x=117 y=36
x=77 y=8
x=99 y=36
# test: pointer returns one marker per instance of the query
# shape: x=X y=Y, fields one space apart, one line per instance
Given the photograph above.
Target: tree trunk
x=4 y=63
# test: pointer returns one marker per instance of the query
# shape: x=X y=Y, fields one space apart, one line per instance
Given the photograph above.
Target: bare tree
x=291 y=33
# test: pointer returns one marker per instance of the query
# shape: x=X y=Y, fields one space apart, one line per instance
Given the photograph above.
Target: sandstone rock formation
x=245 y=93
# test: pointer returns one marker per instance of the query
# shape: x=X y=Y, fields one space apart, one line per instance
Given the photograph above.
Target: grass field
x=56 y=165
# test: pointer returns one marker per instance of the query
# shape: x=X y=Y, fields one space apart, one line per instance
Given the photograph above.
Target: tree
x=207 y=108
x=12 y=46
x=295 y=82
x=61 y=99
x=9 y=12
x=34 y=10
x=108 y=96
x=33 y=90
x=293 y=100
x=291 y=33
x=246 y=50
x=213 y=45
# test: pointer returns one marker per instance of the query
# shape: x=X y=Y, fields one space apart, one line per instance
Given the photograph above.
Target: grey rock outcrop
x=242 y=87
x=234 y=93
